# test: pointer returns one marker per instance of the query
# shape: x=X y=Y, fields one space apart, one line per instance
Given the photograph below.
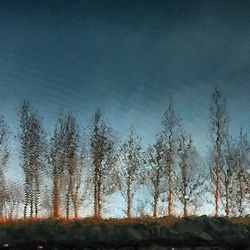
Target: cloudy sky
x=126 y=57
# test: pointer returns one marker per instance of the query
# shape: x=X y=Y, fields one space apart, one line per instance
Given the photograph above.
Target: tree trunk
x=185 y=210
x=2 y=195
x=155 y=205
x=31 y=202
x=170 y=192
x=55 y=200
x=37 y=194
x=240 y=193
x=129 y=197
x=96 y=192
x=1 y=212
x=227 y=196
x=99 y=196
x=68 y=198
x=185 y=200
x=27 y=195
x=156 y=196
x=75 y=204
x=217 y=197
x=217 y=186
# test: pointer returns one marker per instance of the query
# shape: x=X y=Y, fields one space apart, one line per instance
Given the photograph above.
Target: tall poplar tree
x=4 y=156
x=130 y=168
x=171 y=127
x=32 y=140
x=103 y=160
x=218 y=123
x=66 y=170
x=155 y=172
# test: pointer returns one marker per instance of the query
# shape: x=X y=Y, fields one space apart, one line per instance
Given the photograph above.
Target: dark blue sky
x=126 y=57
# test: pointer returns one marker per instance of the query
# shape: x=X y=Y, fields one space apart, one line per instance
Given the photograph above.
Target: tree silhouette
x=65 y=168
x=171 y=127
x=155 y=171
x=242 y=180
x=103 y=160
x=131 y=162
x=189 y=184
x=4 y=156
x=218 y=122
x=32 y=139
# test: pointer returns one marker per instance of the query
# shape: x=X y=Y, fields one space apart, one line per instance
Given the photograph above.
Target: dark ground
x=141 y=234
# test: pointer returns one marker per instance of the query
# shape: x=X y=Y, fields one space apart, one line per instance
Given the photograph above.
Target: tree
x=4 y=156
x=189 y=177
x=131 y=162
x=103 y=160
x=64 y=158
x=77 y=181
x=171 y=127
x=46 y=202
x=71 y=150
x=235 y=174
x=155 y=172
x=242 y=180
x=14 y=198
x=57 y=161
x=228 y=174
x=32 y=139
x=218 y=122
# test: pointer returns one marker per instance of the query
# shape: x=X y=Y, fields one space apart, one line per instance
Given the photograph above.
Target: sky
x=126 y=57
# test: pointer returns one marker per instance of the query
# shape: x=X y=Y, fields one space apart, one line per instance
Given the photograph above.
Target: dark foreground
x=203 y=233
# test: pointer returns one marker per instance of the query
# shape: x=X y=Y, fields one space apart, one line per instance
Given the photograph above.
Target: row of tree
x=63 y=171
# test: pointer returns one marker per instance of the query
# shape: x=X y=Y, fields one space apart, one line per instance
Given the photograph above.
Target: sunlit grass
x=166 y=220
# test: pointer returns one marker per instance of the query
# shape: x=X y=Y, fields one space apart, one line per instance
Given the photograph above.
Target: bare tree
x=141 y=207
x=131 y=161
x=14 y=198
x=171 y=129
x=4 y=156
x=218 y=122
x=78 y=179
x=189 y=177
x=235 y=184
x=64 y=158
x=103 y=160
x=242 y=181
x=183 y=151
x=46 y=202
x=228 y=175
x=58 y=162
x=32 y=139
x=71 y=150
x=155 y=171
